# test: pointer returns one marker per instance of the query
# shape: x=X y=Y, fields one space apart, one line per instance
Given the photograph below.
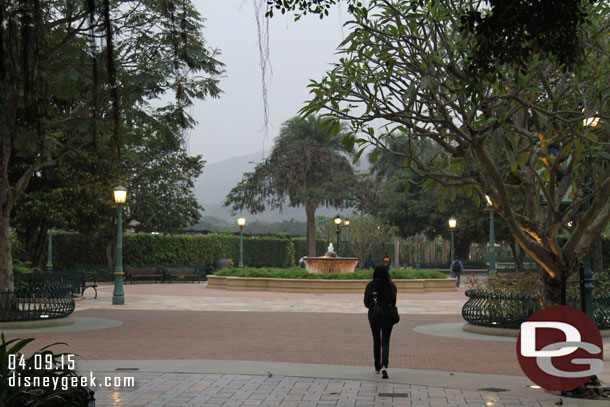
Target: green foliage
x=300 y=247
x=43 y=396
x=70 y=249
x=305 y=168
x=519 y=137
x=299 y=273
x=257 y=227
x=530 y=284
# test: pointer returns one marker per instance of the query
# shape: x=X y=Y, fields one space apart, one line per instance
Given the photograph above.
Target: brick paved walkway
x=189 y=323
x=178 y=390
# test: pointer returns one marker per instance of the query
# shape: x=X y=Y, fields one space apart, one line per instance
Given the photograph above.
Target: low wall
x=323 y=286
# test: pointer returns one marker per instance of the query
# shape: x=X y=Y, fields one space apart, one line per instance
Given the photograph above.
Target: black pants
x=381 y=344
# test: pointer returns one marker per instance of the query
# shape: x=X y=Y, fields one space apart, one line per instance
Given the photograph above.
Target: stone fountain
x=330 y=263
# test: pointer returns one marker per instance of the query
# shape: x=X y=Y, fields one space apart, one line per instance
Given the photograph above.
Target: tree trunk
x=310 y=211
x=597 y=257
x=551 y=290
x=6 y=259
x=462 y=249
x=111 y=252
x=518 y=255
x=34 y=244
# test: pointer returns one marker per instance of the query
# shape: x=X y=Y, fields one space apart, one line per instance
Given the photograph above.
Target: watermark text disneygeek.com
x=67 y=382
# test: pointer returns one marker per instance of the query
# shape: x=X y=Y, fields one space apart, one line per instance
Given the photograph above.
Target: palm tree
x=306 y=167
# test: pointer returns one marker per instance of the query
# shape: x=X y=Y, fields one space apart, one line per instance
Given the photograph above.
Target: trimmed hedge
x=70 y=249
x=300 y=247
x=299 y=273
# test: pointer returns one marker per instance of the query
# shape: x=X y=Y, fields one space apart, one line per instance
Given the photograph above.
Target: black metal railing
x=511 y=310
x=36 y=302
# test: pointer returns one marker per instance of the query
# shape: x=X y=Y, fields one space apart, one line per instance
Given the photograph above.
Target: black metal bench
x=142 y=273
x=181 y=273
x=84 y=285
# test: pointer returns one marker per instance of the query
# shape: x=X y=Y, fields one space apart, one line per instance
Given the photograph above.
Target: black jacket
x=384 y=293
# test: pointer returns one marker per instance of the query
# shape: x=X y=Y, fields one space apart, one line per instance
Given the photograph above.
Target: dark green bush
x=300 y=247
x=295 y=272
x=71 y=249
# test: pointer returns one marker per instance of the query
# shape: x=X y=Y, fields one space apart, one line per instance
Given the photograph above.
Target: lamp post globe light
x=492 y=243
x=118 y=296
x=241 y=222
x=338 y=221
x=452 y=225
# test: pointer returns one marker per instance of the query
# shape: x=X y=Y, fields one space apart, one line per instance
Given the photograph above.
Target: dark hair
x=382 y=273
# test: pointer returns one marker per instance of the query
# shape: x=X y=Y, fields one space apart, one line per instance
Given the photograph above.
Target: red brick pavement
x=342 y=339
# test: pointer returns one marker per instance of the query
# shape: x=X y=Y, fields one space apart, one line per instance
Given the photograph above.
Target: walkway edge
x=516 y=385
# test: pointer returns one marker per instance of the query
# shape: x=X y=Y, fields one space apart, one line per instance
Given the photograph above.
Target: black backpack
x=455 y=267
x=384 y=313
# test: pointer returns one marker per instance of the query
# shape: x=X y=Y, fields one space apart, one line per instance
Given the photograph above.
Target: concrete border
x=40 y=323
x=78 y=324
x=487 y=330
x=323 y=286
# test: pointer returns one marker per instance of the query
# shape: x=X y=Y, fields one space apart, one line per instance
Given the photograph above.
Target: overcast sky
x=233 y=124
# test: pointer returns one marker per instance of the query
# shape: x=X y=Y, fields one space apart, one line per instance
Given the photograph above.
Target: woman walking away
x=380 y=299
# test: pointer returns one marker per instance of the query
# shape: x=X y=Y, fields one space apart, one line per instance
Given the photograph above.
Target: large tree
x=515 y=135
x=306 y=168
x=505 y=31
x=79 y=74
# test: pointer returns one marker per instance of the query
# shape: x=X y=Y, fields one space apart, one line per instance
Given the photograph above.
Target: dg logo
x=560 y=348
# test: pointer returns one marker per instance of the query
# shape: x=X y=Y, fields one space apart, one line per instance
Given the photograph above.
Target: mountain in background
x=217 y=180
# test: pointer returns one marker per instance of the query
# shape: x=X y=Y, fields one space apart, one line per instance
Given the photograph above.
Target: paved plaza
x=187 y=345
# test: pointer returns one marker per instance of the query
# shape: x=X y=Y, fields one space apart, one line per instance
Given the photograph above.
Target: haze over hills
x=217 y=180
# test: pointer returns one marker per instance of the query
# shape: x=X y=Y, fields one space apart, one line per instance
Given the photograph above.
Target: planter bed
x=323 y=286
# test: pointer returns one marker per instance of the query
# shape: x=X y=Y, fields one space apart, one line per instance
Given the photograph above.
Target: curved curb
x=323 y=286
x=486 y=330
x=78 y=324
x=43 y=323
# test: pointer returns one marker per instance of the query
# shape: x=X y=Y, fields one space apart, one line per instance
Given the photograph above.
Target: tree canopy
x=79 y=75
x=506 y=32
x=517 y=137
x=305 y=168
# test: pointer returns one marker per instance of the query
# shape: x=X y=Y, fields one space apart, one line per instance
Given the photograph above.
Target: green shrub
x=70 y=249
x=300 y=273
x=530 y=284
x=300 y=247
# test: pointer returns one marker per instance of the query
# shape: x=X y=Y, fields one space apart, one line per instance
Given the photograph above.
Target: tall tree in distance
x=305 y=168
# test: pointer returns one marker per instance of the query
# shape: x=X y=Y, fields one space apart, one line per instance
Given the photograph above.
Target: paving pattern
x=177 y=323
x=178 y=390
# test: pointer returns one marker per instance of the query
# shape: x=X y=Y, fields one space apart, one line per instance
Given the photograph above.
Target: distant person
x=387 y=260
x=381 y=291
x=456 y=270
x=369 y=263
x=302 y=262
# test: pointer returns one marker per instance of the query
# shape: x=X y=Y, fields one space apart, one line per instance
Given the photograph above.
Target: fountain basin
x=336 y=265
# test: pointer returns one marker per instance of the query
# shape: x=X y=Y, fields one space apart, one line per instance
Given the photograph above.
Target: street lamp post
x=345 y=237
x=50 y=252
x=492 y=243
x=241 y=222
x=338 y=224
x=118 y=296
x=452 y=225
x=417 y=265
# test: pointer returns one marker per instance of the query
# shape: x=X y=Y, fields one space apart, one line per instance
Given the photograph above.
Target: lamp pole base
x=118 y=300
